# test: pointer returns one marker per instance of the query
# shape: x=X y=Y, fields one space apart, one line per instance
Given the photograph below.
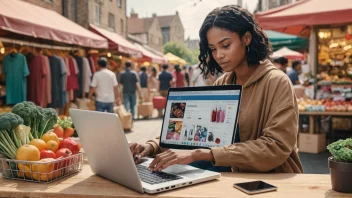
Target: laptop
x=109 y=156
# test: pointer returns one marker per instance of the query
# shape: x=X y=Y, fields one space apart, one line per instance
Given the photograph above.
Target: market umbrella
x=290 y=54
x=173 y=59
x=279 y=40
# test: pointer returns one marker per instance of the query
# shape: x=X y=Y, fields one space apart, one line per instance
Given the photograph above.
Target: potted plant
x=340 y=165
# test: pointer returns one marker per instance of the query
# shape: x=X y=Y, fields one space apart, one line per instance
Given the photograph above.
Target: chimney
x=154 y=15
x=134 y=15
x=177 y=13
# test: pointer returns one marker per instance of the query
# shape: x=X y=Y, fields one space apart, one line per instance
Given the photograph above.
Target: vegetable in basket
x=12 y=134
x=39 y=119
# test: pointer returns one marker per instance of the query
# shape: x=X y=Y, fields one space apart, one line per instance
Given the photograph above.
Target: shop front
x=328 y=27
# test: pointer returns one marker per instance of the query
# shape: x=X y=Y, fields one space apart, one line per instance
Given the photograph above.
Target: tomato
x=70 y=144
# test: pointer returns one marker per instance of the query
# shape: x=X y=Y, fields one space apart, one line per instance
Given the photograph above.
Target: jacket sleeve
x=268 y=151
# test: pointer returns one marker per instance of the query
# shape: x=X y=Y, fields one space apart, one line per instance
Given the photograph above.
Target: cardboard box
x=124 y=116
x=145 y=109
x=312 y=143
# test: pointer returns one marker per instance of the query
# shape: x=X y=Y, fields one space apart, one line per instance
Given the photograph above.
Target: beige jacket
x=268 y=123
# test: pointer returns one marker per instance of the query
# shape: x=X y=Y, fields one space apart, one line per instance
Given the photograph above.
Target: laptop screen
x=203 y=118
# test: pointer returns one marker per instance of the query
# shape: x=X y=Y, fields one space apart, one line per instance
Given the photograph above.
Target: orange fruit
x=40 y=144
x=44 y=171
x=28 y=153
x=52 y=145
x=50 y=136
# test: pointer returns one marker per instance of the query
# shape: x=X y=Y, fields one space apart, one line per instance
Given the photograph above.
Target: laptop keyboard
x=150 y=177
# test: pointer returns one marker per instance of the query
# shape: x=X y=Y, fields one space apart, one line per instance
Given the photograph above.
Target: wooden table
x=85 y=184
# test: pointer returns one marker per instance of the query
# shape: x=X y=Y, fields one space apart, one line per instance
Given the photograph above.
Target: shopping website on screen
x=200 y=118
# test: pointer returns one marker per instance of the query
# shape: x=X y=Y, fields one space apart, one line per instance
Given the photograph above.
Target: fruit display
x=31 y=147
x=324 y=105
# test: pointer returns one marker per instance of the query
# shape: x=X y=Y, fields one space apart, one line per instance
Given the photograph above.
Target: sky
x=192 y=12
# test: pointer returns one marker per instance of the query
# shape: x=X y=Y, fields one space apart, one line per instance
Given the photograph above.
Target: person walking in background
x=179 y=77
x=294 y=72
x=143 y=77
x=153 y=84
x=165 y=80
x=281 y=63
x=104 y=85
x=129 y=80
x=186 y=74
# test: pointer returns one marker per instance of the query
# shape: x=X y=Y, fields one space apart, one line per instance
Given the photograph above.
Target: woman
x=153 y=84
x=231 y=41
x=179 y=77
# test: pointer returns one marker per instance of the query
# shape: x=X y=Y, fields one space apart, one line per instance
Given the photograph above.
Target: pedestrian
x=179 y=77
x=281 y=63
x=105 y=87
x=293 y=73
x=153 y=83
x=165 y=80
x=129 y=81
x=143 y=77
x=187 y=76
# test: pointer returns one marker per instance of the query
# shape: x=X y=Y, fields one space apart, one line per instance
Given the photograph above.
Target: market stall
x=288 y=53
x=329 y=28
x=173 y=59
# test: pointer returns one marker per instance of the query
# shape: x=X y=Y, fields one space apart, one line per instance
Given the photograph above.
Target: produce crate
x=41 y=172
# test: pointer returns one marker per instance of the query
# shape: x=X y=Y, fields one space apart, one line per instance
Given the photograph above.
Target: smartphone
x=255 y=187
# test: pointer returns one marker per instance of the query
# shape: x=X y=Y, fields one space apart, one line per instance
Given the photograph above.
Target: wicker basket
x=41 y=172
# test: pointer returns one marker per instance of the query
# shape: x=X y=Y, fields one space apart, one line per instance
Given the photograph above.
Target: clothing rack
x=20 y=42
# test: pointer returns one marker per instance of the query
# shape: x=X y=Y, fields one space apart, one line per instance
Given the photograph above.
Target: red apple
x=70 y=144
x=47 y=154
x=64 y=152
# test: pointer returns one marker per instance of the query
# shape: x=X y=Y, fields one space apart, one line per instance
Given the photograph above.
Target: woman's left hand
x=171 y=157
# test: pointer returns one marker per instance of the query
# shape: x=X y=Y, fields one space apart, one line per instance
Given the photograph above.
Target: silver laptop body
x=109 y=155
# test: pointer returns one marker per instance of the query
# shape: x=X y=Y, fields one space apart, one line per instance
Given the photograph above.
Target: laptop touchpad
x=177 y=169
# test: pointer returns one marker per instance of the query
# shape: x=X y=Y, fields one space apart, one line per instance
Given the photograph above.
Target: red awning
x=117 y=41
x=27 y=19
x=149 y=56
x=296 y=18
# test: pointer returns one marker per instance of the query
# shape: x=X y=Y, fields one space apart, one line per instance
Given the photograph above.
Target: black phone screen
x=255 y=186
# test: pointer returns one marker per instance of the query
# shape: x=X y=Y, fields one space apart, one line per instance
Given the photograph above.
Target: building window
x=122 y=26
x=111 y=21
x=166 y=35
x=97 y=14
x=119 y=3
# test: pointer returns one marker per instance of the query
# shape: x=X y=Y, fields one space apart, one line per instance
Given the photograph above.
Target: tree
x=180 y=50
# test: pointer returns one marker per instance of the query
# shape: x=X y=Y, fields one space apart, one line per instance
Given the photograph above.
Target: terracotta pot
x=341 y=176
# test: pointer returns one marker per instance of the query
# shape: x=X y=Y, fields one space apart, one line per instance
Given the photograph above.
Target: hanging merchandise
x=87 y=75
x=57 y=75
x=15 y=69
x=36 y=81
x=79 y=61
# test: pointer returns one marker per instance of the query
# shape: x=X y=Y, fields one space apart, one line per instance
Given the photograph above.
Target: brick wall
x=106 y=7
x=55 y=5
x=177 y=32
x=155 y=37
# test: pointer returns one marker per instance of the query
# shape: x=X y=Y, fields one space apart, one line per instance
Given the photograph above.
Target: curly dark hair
x=235 y=19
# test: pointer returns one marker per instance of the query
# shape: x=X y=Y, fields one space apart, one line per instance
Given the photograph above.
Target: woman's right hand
x=140 y=150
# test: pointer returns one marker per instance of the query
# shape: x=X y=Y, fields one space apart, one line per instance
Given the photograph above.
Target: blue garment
x=293 y=75
x=130 y=100
x=104 y=106
x=57 y=75
x=165 y=78
x=16 y=71
x=143 y=77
